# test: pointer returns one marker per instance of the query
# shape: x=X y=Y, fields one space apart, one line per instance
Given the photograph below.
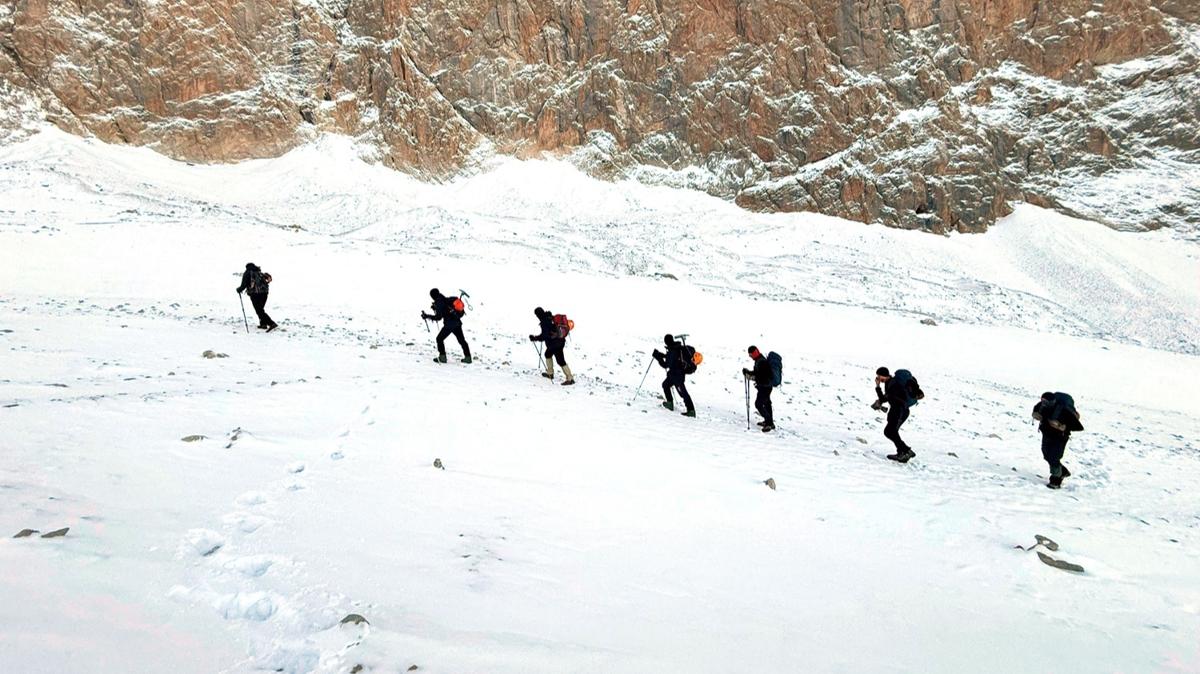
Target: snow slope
x=572 y=531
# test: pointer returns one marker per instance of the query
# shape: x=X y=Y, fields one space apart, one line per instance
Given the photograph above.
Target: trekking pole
x=244 y=319
x=539 y=353
x=747 y=403
x=639 y=388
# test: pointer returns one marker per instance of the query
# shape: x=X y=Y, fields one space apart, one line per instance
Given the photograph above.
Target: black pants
x=896 y=417
x=455 y=330
x=678 y=385
x=1054 y=445
x=554 y=349
x=259 y=300
x=762 y=403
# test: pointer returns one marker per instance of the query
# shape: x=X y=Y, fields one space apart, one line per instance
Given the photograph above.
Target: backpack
x=776 y=362
x=259 y=282
x=1059 y=414
x=564 y=325
x=456 y=306
x=691 y=358
x=911 y=388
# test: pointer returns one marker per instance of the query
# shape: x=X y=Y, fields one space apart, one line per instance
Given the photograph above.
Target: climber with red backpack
x=679 y=361
x=554 y=331
x=450 y=311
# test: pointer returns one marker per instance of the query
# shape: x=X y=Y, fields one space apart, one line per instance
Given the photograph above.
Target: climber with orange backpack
x=554 y=331
x=450 y=311
x=679 y=361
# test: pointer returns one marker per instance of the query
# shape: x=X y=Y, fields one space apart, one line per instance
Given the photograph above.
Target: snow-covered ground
x=572 y=530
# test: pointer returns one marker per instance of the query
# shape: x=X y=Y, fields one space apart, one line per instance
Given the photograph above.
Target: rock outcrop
x=932 y=114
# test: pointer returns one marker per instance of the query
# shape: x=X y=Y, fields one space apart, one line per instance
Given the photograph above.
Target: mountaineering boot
x=767 y=428
x=761 y=423
x=569 y=382
x=570 y=377
x=261 y=326
x=1055 y=482
x=1065 y=473
x=690 y=413
x=902 y=456
x=466 y=359
x=440 y=359
x=547 y=375
x=669 y=405
x=271 y=327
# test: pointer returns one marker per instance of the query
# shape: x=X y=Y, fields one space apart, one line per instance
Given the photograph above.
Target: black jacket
x=549 y=331
x=443 y=310
x=894 y=393
x=763 y=376
x=672 y=360
x=247 y=275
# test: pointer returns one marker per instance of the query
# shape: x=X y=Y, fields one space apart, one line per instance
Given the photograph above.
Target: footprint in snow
x=245 y=522
x=257 y=606
x=297 y=467
x=251 y=498
x=202 y=542
x=251 y=566
x=337 y=455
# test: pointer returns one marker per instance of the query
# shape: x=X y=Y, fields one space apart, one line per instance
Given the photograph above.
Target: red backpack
x=564 y=325
x=456 y=305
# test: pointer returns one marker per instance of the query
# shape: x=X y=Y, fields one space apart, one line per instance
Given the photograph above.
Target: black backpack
x=911 y=388
x=690 y=358
x=259 y=282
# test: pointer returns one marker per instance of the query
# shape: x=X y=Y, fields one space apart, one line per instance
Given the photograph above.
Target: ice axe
x=466 y=297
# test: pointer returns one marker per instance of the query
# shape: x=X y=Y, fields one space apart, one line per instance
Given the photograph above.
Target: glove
x=533 y=338
x=878 y=404
x=425 y=316
x=746 y=373
x=239 y=290
x=657 y=354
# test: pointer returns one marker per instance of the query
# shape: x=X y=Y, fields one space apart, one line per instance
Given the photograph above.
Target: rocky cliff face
x=930 y=114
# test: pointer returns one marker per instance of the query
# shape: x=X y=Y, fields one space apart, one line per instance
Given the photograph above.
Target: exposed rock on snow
x=57 y=533
x=918 y=114
x=353 y=619
x=770 y=482
x=1058 y=563
x=26 y=533
x=209 y=353
x=193 y=438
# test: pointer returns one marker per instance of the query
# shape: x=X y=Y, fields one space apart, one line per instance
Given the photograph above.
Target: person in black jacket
x=443 y=310
x=1056 y=417
x=896 y=396
x=555 y=343
x=672 y=362
x=258 y=282
x=764 y=381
